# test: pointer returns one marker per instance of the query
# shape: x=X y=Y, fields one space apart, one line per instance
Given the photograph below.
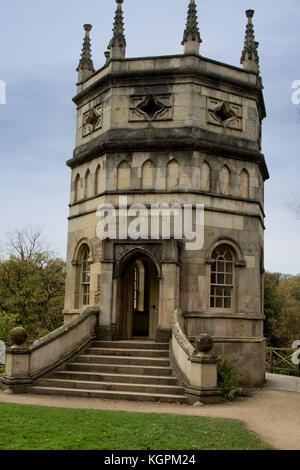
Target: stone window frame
x=225 y=290
x=85 y=284
x=81 y=246
x=239 y=262
x=77 y=187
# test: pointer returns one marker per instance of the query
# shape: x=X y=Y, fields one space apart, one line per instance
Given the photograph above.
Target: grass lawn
x=24 y=427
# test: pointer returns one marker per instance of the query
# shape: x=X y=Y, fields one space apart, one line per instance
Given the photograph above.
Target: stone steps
x=128 y=352
x=110 y=377
x=129 y=370
x=119 y=369
x=114 y=386
x=103 y=394
x=122 y=360
x=131 y=344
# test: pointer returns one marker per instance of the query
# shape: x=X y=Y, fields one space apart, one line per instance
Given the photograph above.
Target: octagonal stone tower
x=178 y=129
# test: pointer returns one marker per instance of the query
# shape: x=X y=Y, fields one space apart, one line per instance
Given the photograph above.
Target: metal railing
x=279 y=361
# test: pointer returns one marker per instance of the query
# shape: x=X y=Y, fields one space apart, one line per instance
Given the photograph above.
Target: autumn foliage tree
x=282 y=309
x=31 y=286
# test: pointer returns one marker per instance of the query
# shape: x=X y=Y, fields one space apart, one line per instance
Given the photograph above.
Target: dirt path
x=273 y=415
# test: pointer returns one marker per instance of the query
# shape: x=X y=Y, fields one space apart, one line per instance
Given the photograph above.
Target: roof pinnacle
x=117 y=44
x=85 y=67
x=191 y=37
x=250 y=58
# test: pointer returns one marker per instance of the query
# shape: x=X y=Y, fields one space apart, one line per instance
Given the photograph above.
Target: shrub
x=229 y=382
x=7 y=323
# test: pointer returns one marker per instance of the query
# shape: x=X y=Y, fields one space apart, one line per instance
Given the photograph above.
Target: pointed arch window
x=244 y=184
x=225 y=180
x=85 y=277
x=123 y=178
x=205 y=177
x=148 y=175
x=173 y=175
x=98 y=180
x=76 y=188
x=222 y=279
x=87 y=184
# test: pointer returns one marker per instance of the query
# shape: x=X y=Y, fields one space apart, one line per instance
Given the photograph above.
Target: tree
x=273 y=306
x=31 y=285
x=282 y=309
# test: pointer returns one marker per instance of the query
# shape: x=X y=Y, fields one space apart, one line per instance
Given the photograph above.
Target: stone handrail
x=25 y=364
x=178 y=333
x=195 y=368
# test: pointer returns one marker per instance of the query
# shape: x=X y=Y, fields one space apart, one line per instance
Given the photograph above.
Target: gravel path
x=273 y=415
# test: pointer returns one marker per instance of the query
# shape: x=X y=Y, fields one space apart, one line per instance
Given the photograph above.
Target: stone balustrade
x=195 y=366
x=26 y=364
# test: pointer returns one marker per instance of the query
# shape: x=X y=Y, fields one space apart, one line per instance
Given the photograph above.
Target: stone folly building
x=170 y=129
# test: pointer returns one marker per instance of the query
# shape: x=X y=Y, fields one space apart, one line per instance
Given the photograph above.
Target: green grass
x=24 y=427
x=2 y=369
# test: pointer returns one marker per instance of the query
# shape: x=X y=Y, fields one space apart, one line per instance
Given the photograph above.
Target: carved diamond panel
x=151 y=108
x=92 y=120
x=224 y=114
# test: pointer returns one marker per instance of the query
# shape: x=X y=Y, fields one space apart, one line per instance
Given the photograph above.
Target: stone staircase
x=128 y=370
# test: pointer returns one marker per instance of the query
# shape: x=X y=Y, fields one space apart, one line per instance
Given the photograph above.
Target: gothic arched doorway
x=140 y=298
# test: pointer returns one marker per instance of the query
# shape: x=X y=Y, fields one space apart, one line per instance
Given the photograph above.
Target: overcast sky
x=40 y=47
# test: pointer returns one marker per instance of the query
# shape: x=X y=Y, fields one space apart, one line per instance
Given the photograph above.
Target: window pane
x=229 y=267
x=221 y=267
x=85 y=277
x=227 y=291
x=222 y=278
x=219 y=291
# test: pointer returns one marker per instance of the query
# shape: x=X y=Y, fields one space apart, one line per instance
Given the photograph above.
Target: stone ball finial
x=250 y=13
x=204 y=343
x=18 y=336
x=87 y=27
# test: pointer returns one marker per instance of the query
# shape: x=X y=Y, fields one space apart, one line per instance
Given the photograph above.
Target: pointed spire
x=191 y=37
x=117 y=45
x=250 y=58
x=86 y=68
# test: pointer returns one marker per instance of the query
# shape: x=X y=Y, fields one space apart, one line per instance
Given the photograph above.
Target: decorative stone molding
x=124 y=251
x=196 y=368
x=240 y=260
x=225 y=114
x=177 y=322
x=24 y=365
x=151 y=108
x=92 y=120
x=76 y=261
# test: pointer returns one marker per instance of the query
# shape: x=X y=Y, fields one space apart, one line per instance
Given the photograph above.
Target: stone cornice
x=209 y=209
x=176 y=139
x=164 y=71
x=195 y=192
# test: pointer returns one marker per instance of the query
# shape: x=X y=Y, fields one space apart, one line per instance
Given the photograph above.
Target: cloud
x=37 y=126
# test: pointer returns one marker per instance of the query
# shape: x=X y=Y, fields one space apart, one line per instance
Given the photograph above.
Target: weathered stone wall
x=180 y=129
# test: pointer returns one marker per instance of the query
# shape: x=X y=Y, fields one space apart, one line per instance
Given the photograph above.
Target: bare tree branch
x=27 y=244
